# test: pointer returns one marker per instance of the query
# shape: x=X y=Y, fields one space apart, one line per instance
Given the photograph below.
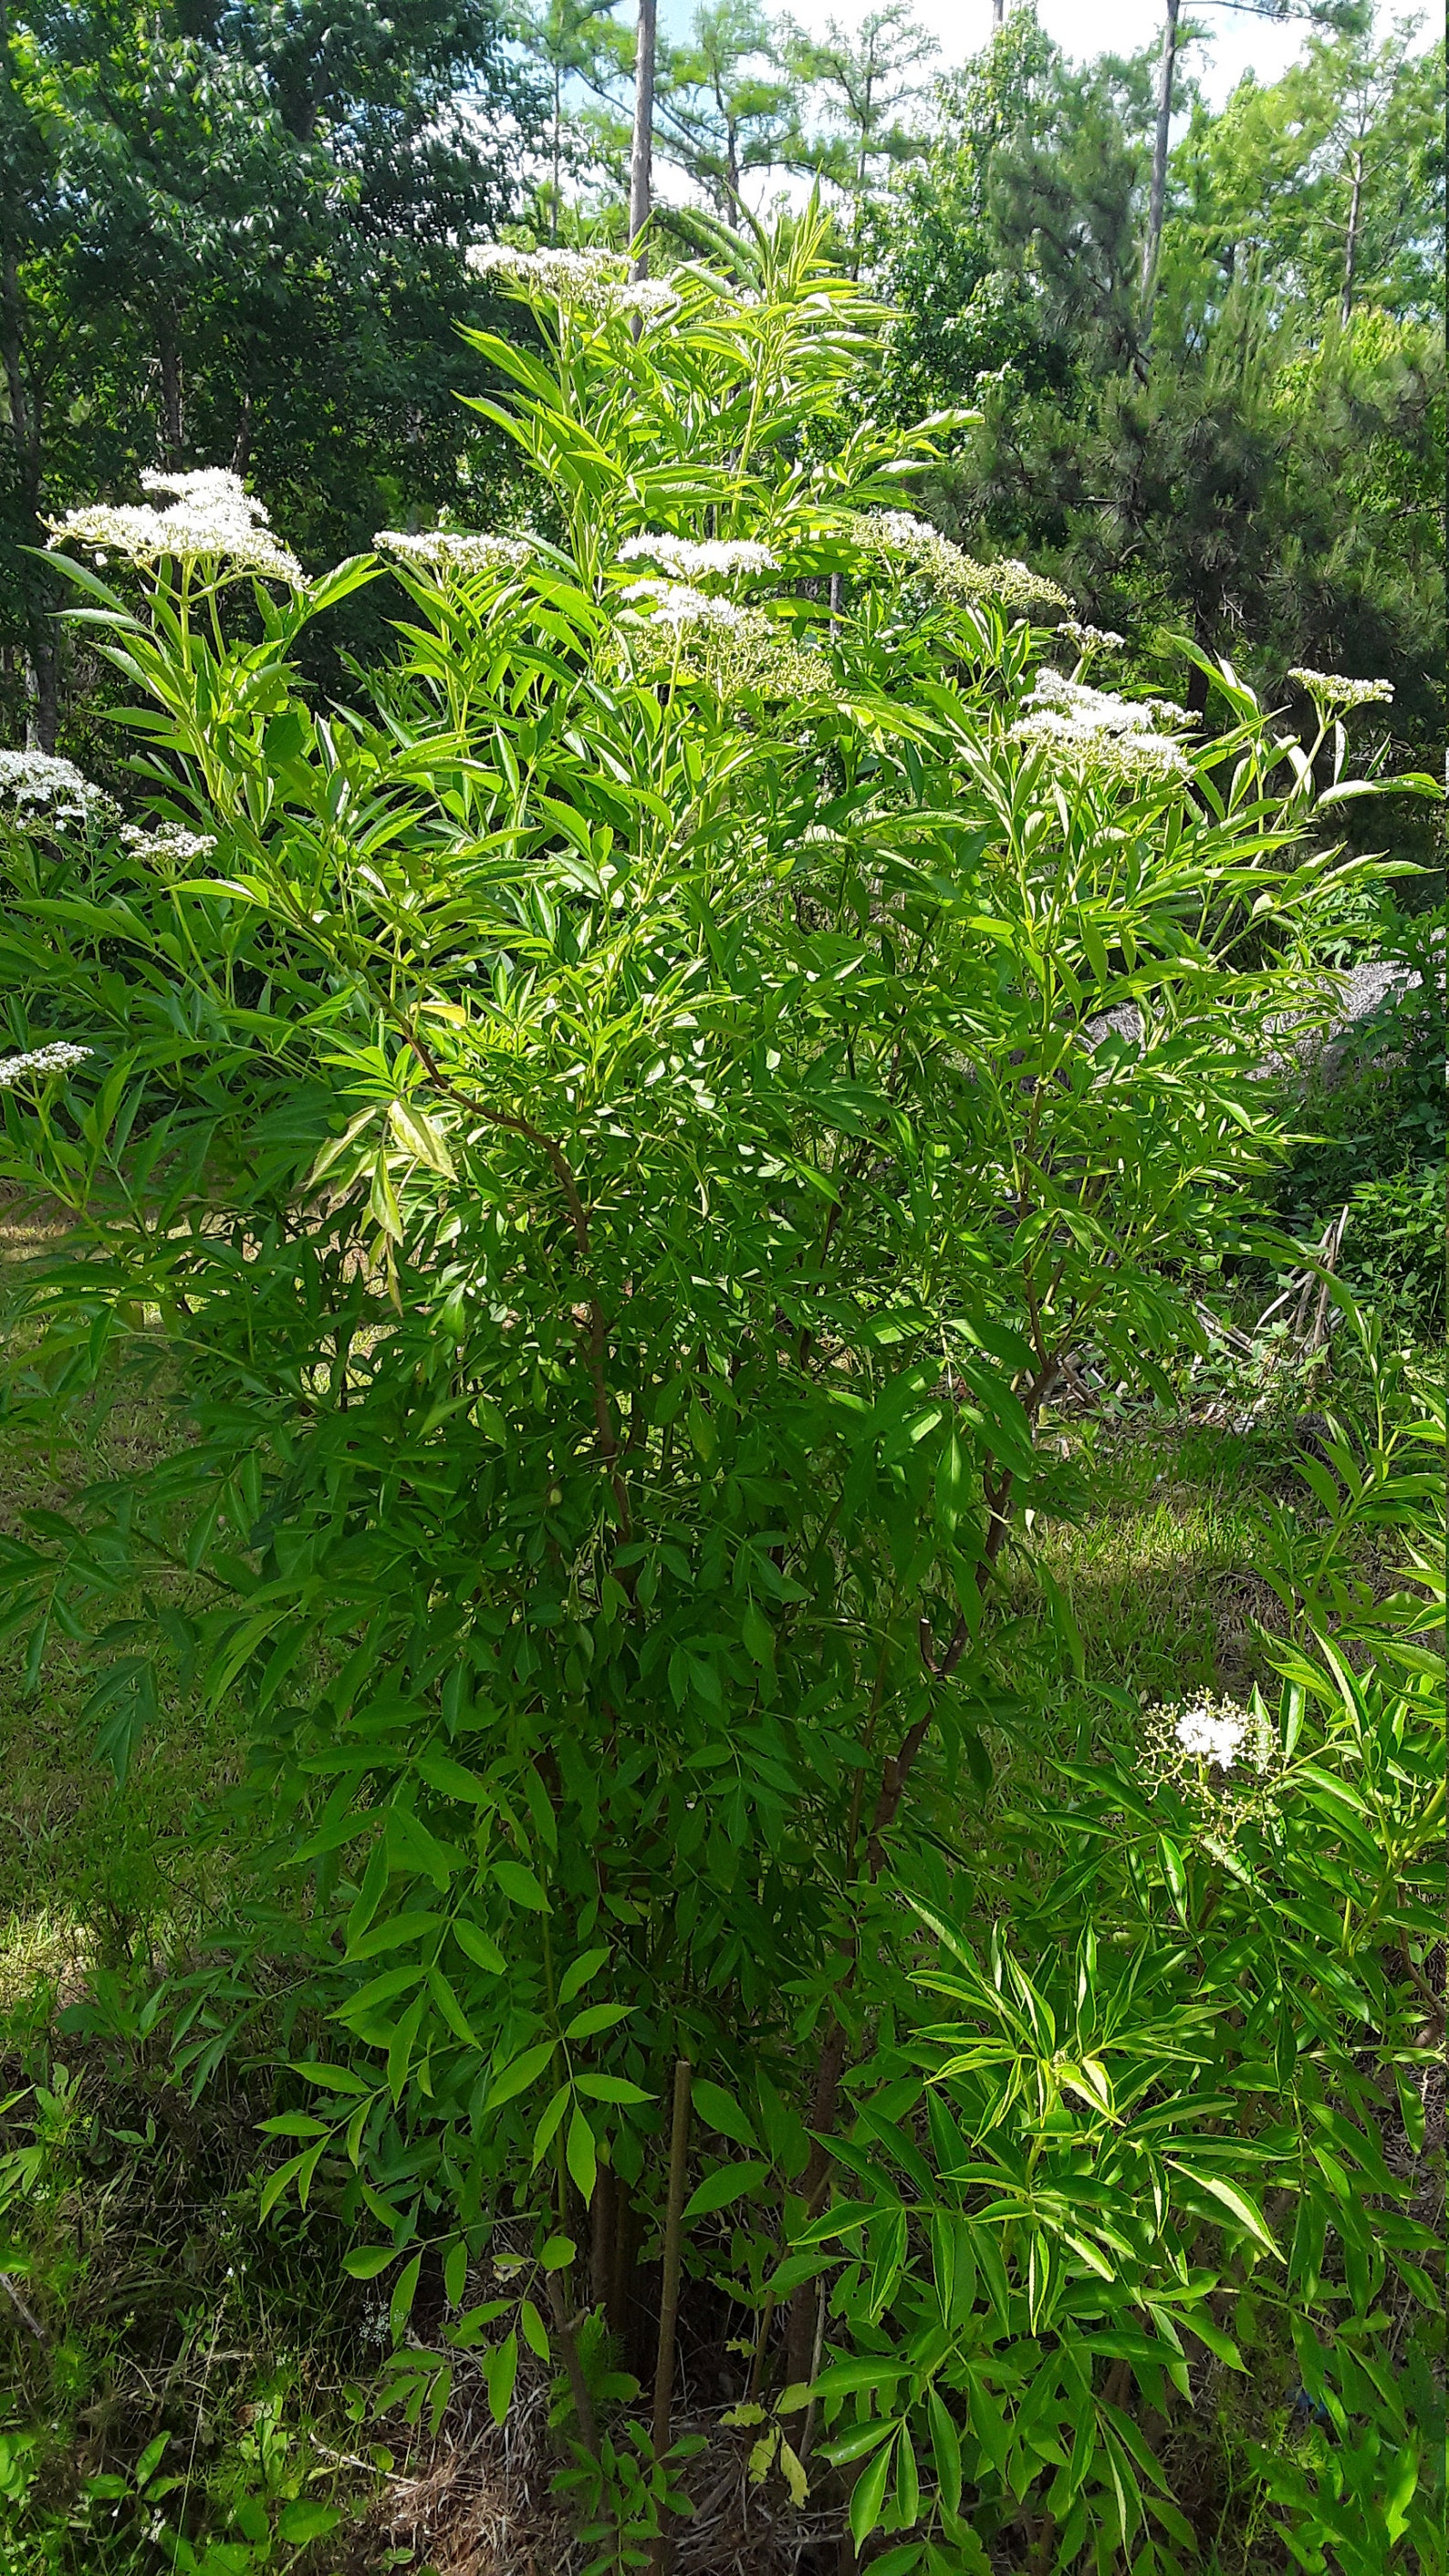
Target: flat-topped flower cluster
x=1329 y=689
x=58 y=1057
x=36 y=784
x=696 y=560
x=905 y=541
x=678 y=604
x=1091 y=639
x=211 y=519
x=1122 y=741
x=587 y=281
x=452 y=549
x=169 y=842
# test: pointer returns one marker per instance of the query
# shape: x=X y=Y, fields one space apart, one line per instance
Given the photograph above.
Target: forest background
x=236 y=235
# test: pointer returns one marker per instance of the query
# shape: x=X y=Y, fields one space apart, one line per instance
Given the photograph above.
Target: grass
x=85 y=1867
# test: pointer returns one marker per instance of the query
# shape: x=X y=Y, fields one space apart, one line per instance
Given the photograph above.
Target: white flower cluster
x=647 y=296
x=58 y=1057
x=452 y=549
x=1091 y=639
x=900 y=539
x=1330 y=689
x=593 y=281
x=1213 y=1730
x=1225 y=1761
x=1117 y=740
x=736 y=649
x=168 y=841
x=36 y=783
x=678 y=605
x=696 y=561
x=210 y=520
x=1102 y=709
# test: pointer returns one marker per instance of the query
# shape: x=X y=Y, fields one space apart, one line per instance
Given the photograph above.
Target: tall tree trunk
x=42 y=658
x=1166 y=69
x=242 y=443
x=998 y=16
x=557 y=146
x=732 y=171
x=1350 y=248
x=169 y=357
x=641 y=164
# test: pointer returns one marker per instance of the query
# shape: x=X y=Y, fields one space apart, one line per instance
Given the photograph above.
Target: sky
x=1237 y=43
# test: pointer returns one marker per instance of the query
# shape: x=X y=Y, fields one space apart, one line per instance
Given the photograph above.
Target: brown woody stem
x=669 y=2288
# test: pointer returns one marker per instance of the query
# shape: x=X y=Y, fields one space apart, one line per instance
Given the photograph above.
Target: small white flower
x=211 y=519
x=57 y=1057
x=452 y=549
x=712 y=554
x=168 y=841
x=1330 y=689
x=34 y=782
x=1092 y=639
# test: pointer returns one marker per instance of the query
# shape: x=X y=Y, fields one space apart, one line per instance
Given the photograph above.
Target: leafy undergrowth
x=187 y=2386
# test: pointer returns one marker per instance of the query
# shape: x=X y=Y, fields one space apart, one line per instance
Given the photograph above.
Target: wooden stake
x=669 y=2290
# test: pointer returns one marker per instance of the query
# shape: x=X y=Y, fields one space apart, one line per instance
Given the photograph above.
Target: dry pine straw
x=479 y=2502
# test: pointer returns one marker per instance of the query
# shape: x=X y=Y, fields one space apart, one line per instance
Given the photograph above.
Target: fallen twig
x=12 y=2293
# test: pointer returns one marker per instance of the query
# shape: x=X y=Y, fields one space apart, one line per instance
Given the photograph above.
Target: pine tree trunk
x=642 y=160
x=1166 y=69
x=1350 y=248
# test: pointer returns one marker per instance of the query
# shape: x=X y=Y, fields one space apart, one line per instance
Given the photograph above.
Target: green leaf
x=520 y=2073
x=417 y=1135
x=1236 y=2201
x=478 y=1945
x=401 y=2305
x=726 y=2184
x=366 y=2261
x=333 y=2079
x=577 y=1975
x=596 y=2017
x=1174 y=1871
x=720 y=2110
x=500 y=2370
x=611 y=2088
x=758 y=1635
x=553 y=2112
x=306 y=2520
x=521 y=1885
x=451 y=2010
x=442 y=1773
x=868 y=2493
x=946 y=2451
x=581 y=2155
